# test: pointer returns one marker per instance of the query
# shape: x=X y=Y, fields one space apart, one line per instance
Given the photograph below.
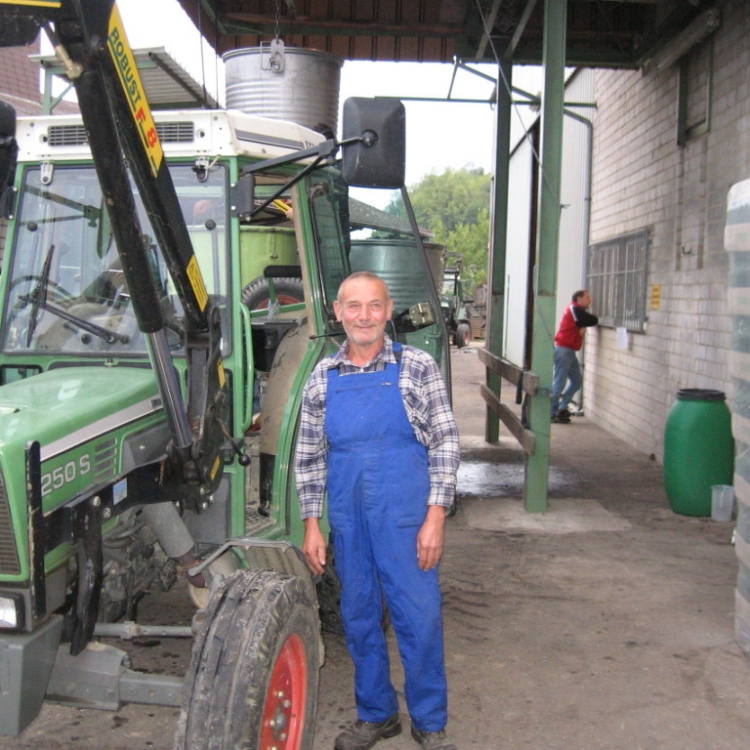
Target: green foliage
x=470 y=242
x=454 y=207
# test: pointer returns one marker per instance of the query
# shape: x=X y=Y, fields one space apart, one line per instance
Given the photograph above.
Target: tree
x=454 y=207
x=470 y=243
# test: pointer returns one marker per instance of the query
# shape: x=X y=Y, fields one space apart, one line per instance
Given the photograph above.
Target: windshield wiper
x=38 y=297
x=110 y=337
x=91 y=213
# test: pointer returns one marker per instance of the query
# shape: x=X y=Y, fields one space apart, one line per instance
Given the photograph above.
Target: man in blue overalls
x=378 y=435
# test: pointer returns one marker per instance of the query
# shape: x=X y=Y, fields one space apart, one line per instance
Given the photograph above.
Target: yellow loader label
x=196 y=281
x=127 y=70
x=34 y=3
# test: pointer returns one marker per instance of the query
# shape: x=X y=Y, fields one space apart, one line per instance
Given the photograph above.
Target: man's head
x=363 y=306
x=582 y=298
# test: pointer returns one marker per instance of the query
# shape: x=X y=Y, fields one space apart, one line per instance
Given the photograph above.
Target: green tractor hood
x=65 y=407
x=82 y=417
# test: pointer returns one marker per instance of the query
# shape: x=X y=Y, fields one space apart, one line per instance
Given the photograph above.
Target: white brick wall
x=642 y=178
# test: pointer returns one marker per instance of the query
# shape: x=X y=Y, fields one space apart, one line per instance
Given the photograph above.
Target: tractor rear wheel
x=253 y=681
x=463 y=335
x=257 y=296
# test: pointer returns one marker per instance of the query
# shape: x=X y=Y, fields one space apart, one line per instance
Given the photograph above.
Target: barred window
x=616 y=279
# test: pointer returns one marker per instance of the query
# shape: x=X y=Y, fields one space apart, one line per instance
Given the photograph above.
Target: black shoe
x=562 y=417
x=432 y=740
x=362 y=735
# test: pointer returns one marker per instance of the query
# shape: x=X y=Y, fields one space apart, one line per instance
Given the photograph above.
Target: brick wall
x=19 y=86
x=20 y=79
x=643 y=178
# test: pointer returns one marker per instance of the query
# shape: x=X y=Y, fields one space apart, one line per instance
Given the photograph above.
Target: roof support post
x=548 y=231
x=498 y=238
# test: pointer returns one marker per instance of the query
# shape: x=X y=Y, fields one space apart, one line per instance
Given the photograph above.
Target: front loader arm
x=90 y=40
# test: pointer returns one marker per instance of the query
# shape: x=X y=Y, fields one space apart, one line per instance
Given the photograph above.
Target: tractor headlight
x=8 y=612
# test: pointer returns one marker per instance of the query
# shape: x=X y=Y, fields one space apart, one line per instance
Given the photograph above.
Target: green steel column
x=548 y=232
x=47 y=93
x=498 y=238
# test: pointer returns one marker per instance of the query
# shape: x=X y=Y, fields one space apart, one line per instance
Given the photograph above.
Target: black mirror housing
x=243 y=195
x=8 y=145
x=378 y=157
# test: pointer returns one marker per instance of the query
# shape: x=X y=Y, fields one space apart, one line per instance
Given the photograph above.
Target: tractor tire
x=463 y=335
x=329 y=596
x=289 y=291
x=253 y=680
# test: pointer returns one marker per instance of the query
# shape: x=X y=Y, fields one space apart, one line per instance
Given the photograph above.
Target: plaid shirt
x=427 y=406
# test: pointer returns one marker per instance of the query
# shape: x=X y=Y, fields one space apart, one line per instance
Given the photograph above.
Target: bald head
x=364 y=307
x=366 y=275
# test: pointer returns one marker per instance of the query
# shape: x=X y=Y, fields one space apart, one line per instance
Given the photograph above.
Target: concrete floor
x=604 y=624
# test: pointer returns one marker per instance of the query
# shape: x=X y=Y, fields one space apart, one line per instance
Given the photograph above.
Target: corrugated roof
x=619 y=33
x=168 y=85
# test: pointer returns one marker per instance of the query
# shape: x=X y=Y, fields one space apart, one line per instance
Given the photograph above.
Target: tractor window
x=329 y=202
x=202 y=195
x=66 y=289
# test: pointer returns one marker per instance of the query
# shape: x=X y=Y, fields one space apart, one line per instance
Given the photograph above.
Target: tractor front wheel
x=253 y=681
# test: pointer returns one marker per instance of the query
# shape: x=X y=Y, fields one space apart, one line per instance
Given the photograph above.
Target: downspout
x=587 y=211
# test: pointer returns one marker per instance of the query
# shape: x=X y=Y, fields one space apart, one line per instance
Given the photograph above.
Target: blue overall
x=378 y=486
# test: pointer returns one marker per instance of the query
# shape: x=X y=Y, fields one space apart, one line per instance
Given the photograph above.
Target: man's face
x=584 y=301
x=364 y=309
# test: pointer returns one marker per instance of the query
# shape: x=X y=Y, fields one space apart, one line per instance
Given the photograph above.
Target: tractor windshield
x=66 y=292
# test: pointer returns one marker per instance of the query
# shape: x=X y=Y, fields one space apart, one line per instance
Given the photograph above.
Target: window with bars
x=616 y=279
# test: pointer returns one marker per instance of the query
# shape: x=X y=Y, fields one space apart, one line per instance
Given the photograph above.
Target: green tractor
x=167 y=288
x=453 y=305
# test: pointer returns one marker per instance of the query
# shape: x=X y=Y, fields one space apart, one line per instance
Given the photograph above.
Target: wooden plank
x=526 y=439
x=508 y=371
x=477 y=327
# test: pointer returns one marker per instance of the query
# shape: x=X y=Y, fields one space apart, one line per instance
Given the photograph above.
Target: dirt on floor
x=604 y=624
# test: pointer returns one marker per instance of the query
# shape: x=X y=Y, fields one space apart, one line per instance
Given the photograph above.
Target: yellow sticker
x=222 y=373
x=655 y=296
x=35 y=3
x=215 y=468
x=124 y=61
x=196 y=281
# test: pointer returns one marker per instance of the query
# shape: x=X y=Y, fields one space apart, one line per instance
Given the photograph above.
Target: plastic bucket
x=722 y=502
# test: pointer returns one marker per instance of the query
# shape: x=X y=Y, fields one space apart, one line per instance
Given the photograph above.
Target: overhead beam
x=520 y=28
x=260 y=23
x=488 y=24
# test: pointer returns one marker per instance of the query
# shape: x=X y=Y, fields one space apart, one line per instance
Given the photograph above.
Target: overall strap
x=397 y=352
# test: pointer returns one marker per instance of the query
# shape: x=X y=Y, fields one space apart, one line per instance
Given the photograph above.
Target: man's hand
x=430 y=538
x=314 y=546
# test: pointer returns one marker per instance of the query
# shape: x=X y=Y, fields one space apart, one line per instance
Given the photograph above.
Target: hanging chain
x=277 y=19
x=276 y=60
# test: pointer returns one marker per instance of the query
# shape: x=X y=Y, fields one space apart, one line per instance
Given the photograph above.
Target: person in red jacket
x=568 y=341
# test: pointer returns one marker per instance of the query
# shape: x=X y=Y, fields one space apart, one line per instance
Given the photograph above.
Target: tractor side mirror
x=243 y=195
x=8 y=145
x=415 y=318
x=376 y=155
